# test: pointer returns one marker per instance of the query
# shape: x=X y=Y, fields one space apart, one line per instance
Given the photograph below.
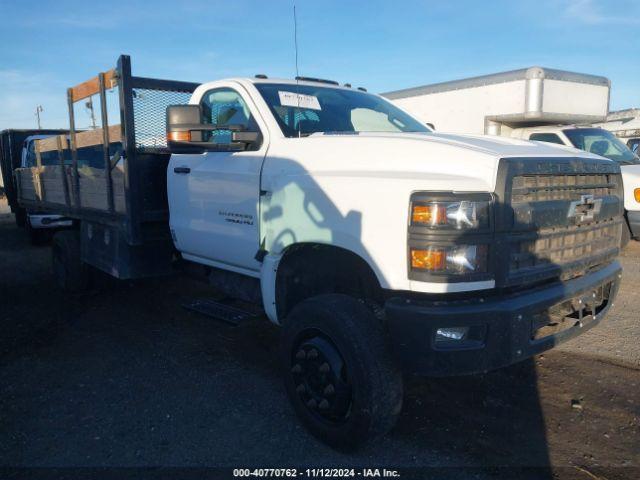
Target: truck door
x=214 y=196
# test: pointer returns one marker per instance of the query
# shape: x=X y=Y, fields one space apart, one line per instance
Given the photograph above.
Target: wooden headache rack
x=115 y=174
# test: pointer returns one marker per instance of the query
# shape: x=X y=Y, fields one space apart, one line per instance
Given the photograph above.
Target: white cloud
x=87 y=20
x=592 y=12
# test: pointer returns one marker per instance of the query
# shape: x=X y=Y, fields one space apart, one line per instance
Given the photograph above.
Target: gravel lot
x=618 y=339
x=126 y=377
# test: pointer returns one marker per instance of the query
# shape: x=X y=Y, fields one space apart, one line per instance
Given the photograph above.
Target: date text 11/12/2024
x=317 y=472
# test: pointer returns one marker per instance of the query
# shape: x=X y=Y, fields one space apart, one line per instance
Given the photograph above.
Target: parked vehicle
x=379 y=247
x=39 y=225
x=625 y=124
x=532 y=104
x=12 y=144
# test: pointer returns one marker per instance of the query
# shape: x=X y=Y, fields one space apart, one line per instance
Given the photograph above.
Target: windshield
x=601 y=142
x=46 y=158
x=305 y=109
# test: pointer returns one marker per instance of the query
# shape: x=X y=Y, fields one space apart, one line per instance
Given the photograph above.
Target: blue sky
x=46 y=47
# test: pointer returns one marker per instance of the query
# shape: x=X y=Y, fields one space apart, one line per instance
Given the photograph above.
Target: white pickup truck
x=624 y=124
x=40 y=226
x=378 y=246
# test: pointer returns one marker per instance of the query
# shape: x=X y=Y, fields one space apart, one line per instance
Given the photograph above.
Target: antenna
x=295 y=43
x=295 y=36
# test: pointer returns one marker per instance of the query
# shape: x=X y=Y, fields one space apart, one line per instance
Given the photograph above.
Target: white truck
x=625 y=124
x=17 y=149
x=538 y=104
x=378 y=246
x=40 y=226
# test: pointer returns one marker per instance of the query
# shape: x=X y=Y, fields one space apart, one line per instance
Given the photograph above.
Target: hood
x=486 y=144
x=446 y=161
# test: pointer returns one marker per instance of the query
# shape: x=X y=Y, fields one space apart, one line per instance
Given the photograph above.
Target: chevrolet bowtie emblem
x=585 y=209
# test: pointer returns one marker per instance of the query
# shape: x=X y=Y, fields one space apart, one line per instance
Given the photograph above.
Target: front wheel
x=339 y=374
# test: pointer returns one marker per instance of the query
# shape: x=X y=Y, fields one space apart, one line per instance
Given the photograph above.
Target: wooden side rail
x=92 y=86
x=94 y=137
x=83 y=139
x=51 y=143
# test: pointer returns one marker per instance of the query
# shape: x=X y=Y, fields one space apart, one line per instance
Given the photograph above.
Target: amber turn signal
x=636 y=193
x=433 y=260
x=432 y=214
x=179 y=136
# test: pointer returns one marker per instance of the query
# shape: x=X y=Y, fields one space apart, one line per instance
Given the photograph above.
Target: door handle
x=182 y=170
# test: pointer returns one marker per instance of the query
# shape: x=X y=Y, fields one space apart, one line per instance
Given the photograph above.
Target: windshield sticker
x=291 y=99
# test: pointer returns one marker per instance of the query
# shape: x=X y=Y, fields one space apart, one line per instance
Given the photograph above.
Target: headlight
x=450 y=237
x=452 y=260
x=458 y=215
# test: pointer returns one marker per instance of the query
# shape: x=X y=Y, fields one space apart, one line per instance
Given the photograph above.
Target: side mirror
x=431 y=126
x=185 y=129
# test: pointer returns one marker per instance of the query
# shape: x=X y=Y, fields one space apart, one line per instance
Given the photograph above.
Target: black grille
x=560 y=218
x=538 y=188
x=563 y=246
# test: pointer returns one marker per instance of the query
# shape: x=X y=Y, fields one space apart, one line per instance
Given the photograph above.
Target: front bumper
x=634 y=223
x=38 y=220
x=508 y=325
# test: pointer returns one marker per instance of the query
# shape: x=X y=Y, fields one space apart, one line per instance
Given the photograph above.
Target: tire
x=21 y=217
x=37 y=236
x=339 y=374
x=70 y=272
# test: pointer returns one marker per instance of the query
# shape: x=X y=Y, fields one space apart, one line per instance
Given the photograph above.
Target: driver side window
x=224 y=107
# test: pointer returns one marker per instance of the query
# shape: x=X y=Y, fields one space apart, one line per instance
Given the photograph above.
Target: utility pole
x=89 y=106
x=38 y=110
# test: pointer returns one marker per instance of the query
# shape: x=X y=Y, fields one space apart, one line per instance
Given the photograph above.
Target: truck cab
x=601 y=142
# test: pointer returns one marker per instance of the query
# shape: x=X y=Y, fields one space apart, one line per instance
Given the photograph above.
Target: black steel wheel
x=339 y=374
x=321 y=379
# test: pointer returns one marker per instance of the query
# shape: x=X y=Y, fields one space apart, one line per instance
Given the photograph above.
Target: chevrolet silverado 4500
x=378 y=246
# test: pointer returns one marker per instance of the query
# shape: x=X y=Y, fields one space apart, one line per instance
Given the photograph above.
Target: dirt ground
x=126 y=377
x=618 y=340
